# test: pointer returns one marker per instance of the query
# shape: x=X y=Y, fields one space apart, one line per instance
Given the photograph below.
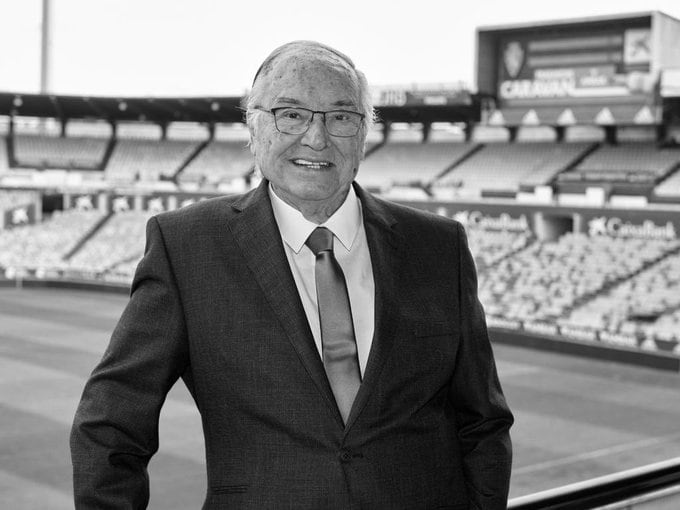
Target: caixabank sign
x=485 y=216
x=616 y=227
x=503 y=221
x=646 y=223
x=635 y=228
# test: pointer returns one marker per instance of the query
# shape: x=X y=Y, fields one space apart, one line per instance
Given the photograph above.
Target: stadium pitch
x=575 y=418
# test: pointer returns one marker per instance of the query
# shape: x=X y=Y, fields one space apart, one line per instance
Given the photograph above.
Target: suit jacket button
x=345 y=456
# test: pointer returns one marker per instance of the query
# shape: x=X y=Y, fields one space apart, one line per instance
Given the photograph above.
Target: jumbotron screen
x=600 y=64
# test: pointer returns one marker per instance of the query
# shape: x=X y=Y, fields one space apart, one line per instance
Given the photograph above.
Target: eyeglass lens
x=296 y=121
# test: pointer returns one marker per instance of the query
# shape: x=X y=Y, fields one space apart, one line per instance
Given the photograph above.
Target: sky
x=214 y=47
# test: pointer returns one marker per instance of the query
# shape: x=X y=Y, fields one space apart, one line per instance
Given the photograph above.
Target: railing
x=656 y=486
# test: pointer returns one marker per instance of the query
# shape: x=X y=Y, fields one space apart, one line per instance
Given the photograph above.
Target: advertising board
x=441 y=95
x=600 y=64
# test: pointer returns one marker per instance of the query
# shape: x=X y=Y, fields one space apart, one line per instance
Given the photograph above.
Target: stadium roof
x=569 y=22
x=116 y=109
x=196 y=109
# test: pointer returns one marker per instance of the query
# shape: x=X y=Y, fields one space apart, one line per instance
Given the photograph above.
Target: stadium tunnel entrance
x=550 y=227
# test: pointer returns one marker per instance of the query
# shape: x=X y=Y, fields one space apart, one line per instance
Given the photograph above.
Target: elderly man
x=333 y=342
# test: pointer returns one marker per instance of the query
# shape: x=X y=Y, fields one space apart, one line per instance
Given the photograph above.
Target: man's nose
x=316 y=135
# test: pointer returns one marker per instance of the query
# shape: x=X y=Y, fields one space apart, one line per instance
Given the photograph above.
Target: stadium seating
x=220 y=161
x=584 y=133
x=669 y=187
x=666 y=328
x=536 y=134
x=632 y=162
x=59 y=152
x=45 y=244
x=491 y=246
x=374 y=138
x=505 y=166
x=4 y=160
x=120 y=239
x=645 y=305
x=10 y=199
x=409 y=163
x=546 y=280
x=122 y=272
x=147 y=160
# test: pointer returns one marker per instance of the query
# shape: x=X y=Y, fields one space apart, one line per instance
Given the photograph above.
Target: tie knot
x=320 y=240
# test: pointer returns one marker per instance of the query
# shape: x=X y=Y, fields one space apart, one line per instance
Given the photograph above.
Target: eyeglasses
x=296 y=121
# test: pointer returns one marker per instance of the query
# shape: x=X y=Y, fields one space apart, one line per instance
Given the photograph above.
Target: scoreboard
x=588 y=71
x=611 y=64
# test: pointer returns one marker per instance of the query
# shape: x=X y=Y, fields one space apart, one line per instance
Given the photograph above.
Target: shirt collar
x=295 y=228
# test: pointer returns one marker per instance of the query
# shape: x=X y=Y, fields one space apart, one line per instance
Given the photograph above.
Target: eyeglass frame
x=311 y=119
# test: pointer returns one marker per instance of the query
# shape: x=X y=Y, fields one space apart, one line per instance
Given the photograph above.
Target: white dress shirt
x=351 y=251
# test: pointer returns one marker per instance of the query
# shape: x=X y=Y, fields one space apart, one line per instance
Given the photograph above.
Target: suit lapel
x=383 y=245
x=256 y=233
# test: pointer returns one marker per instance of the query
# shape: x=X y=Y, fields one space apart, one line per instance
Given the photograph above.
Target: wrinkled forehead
x=303 y=64
x=300 y=51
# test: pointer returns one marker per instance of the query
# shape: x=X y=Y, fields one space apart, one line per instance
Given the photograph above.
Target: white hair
x=258 y=87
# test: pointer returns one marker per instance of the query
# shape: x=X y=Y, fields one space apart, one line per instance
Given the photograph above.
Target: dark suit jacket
x=213 y=301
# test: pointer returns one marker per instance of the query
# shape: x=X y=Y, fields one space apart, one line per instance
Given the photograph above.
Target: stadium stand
x=646 y=305
x=411 y=163
x=4 y=159
x=536 y=134
x=376 y=171
x=490 y=134
x=37 y=126
x=546 y=280
x=187 y=131
x=59 y=152
x=646 y=134
x=223 y=160
x=89 y=129
x=219 y=161
x=491 y=246
x=505 y=166
x=669 y=187
x=147 y=160
x=122 y=272
x=375 y=138
x=45 y=244
x=119 y=239
x=9 y=198
x=584 y=133
x=631 y=162
x=666 y=328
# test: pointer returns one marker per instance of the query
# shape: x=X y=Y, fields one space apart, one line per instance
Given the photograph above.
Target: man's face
x=314 y=169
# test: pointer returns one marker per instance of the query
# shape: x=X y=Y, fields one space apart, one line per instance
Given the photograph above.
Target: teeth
x=312 y=164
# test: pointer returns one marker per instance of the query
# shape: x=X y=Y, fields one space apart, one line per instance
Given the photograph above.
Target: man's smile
x=314 y=165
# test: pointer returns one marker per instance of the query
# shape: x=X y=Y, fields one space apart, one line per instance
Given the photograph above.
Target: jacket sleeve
x=115 y=431
x=483 y=416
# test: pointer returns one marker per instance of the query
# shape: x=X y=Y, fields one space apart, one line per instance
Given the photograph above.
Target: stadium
x=563 y=165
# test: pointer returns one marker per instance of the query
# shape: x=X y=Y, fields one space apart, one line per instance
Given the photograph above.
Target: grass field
x=575 y=418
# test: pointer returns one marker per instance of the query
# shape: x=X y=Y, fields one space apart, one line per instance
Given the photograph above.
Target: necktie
x=338 y=346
